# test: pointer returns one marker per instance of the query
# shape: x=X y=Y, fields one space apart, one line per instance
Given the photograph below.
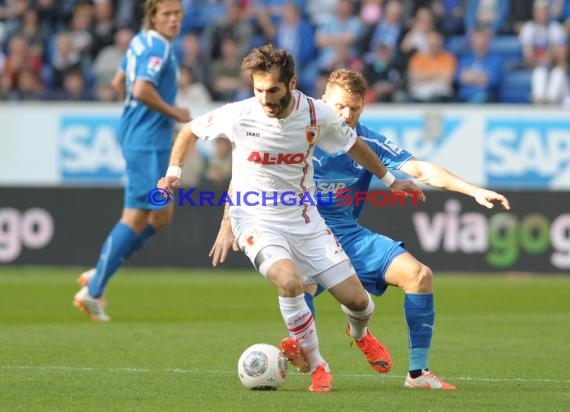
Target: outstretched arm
x=367 y=159
x=436 y=176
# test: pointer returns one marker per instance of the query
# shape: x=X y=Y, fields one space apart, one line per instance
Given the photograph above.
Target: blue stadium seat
x=509 y=47
x=515 y=86
x=457 y=45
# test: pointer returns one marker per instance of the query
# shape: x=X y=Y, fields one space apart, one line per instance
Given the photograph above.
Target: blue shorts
x=371 y=254
x=144 y=169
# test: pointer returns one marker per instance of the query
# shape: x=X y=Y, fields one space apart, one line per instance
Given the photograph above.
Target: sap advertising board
x=500 y=147
x=89 y=150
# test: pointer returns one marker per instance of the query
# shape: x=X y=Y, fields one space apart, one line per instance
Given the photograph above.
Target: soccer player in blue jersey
x=378 y=260
x=147 y=79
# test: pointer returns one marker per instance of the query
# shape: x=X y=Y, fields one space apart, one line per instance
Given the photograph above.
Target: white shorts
x=312 y=247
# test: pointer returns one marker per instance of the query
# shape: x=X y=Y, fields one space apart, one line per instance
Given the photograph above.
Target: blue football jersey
x=339 y=171
x=149 y=57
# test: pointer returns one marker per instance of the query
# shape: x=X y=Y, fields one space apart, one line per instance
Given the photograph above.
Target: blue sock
x=117 y=245
x=148 y=231
x=310 y=303
x=420 y=316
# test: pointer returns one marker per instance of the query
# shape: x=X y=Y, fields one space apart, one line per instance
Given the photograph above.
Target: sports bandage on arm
x=388 y=179
x=176 y=171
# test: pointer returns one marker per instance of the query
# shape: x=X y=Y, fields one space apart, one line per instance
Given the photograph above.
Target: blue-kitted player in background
x=378 y=260
x=147 y=79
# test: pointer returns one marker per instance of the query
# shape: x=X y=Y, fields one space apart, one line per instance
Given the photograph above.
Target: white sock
x=301 y=325
x=359 y=321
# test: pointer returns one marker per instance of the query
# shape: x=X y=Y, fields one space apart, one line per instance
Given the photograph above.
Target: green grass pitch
x=176 y=335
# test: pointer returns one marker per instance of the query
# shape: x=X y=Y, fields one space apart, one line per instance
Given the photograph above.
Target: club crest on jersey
x=312 y=133
x=154 y=64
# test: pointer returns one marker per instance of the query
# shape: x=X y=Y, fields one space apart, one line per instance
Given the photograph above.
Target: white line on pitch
x=219 y=372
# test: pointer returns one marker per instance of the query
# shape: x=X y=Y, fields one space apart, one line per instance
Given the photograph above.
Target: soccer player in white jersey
x=273 y=136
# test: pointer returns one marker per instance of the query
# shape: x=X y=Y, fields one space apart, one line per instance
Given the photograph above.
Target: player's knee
x=359 y=302
x=161 y=221
x=423 y=279
x=290 y=287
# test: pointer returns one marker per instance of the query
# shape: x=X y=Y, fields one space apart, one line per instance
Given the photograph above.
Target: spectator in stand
x=80 y=29
x=65 y=58
x=129 y=13
x=449 y=16
x=30 y=87
x=390 y=28
x=74 y=88
x=218 y=172
x=233 y=24
x=521 y=12
x=431 y=73
x=191 y=92
x=18 y=59
x=103 y=26
x=192 y=56
x=550 y=84
x=344 y=58
x=12 y=13
x=33 y=32
x=384 y=75
x=479 y=73
x=107 y=61
x=225 y=72
x=487 y=14
x=542 y=40
x=49 y=15
x=370 y=12
x=106 y=93
x=321 y=11
x=415 y=38
x=343 y=30
x=295 y=34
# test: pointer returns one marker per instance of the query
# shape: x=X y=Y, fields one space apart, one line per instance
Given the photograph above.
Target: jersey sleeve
x=152 y=60
x=389 y=153
x=217 y=123
x=335 y=135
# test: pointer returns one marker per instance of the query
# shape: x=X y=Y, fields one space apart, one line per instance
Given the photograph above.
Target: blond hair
x=351 y=81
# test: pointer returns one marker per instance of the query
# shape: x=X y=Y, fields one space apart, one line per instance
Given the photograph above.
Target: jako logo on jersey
x=276 y=159
x=252 y=134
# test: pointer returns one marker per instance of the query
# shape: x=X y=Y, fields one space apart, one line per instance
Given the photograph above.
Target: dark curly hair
x=267 y=58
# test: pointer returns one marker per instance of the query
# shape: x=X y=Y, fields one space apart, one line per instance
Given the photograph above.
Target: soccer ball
x=262 y=367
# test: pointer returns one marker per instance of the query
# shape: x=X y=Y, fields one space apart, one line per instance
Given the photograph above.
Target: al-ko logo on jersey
x=31 y=229
x=89 y=151
x=528 y=153
x=503 y=238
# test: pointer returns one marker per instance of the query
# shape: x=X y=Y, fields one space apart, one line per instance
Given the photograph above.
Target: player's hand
x=411 y=189
x=488 y=197
x=169 y=183
x=224 y=242
x=181 y=114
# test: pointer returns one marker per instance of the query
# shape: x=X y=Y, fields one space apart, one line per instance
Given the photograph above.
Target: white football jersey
x=272 y=170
